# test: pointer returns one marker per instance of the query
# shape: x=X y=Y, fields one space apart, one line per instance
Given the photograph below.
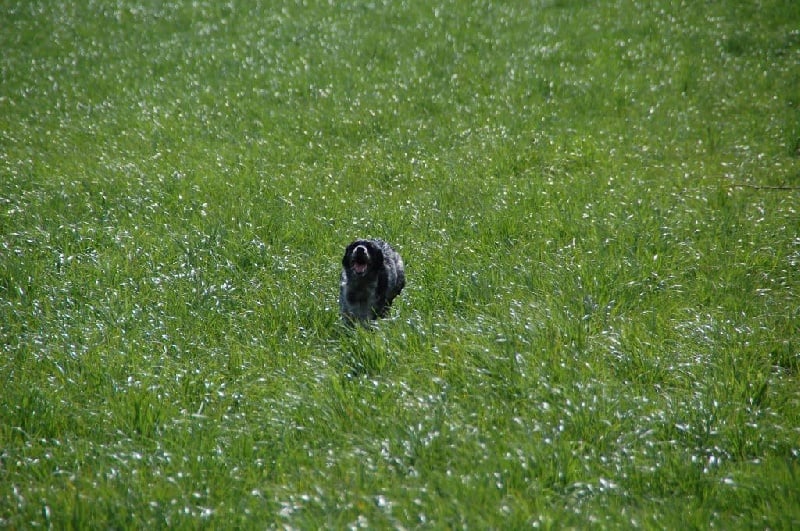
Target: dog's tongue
x=359 y=268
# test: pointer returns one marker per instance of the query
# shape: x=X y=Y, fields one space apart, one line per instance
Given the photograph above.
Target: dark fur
x=372 y=276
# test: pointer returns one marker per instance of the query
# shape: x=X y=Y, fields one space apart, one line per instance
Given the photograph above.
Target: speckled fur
x=368 y=295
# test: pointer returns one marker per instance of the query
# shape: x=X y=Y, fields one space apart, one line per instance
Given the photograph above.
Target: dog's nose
x=361 y=251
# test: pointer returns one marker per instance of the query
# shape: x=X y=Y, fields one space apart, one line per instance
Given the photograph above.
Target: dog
x=372 y=276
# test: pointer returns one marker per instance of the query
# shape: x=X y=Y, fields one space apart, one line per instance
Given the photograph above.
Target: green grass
x=600 y=327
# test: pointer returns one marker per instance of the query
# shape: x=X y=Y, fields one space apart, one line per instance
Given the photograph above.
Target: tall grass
x=596 y=203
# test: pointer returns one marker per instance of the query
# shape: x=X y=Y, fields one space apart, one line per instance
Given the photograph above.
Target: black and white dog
x=372 y=276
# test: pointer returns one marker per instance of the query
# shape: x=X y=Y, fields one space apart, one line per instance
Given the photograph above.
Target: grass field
x=597 y=204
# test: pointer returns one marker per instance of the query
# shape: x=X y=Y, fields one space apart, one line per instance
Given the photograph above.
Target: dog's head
x=361 y=258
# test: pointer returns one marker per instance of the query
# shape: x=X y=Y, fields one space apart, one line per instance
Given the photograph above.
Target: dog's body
x=372 y=276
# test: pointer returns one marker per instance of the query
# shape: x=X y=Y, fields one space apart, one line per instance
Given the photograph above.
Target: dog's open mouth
x=360 y=260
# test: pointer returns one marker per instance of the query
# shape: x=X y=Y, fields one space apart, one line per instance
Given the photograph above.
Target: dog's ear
x=347 y=252
x=376 y=255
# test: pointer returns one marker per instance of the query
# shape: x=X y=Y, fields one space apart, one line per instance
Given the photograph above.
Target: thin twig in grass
x=764 y=187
